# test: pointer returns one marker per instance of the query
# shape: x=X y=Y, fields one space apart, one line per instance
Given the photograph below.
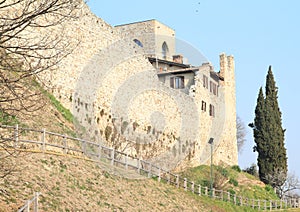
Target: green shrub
x=268 y=188
x=252 y=170
x=7 y=119
x=233 y=182
x=231 y=191
x=205 y=183
x=224 y=172
x=236 y=168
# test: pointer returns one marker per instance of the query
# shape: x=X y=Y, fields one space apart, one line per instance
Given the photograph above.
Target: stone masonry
x=117 y=98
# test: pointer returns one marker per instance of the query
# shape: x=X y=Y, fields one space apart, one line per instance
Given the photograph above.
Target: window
x=205 y=81
x=213 y=88
x=203 y=106
x=165 y=50
x=139 y=43
x=211 y=110
x=177 y=82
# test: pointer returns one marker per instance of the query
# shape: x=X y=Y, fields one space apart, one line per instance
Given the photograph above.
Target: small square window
x=177 y=82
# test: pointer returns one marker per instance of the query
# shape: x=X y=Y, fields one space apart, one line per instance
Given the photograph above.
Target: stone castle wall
x=115 y=95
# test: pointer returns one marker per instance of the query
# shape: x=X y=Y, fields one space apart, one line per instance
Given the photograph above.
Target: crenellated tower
x=227 y=151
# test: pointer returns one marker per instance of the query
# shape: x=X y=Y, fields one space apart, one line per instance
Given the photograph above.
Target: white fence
x=44 y=141
x=34 y=200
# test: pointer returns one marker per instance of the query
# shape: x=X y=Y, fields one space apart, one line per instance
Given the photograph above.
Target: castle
x=128 y=88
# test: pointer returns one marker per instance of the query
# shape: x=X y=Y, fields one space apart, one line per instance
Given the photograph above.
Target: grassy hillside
x=70 y=184
x=231 y=179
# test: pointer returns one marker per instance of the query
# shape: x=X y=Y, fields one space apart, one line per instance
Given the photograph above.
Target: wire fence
x=45 y=141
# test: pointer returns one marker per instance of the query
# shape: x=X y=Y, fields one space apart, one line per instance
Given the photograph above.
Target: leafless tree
x=28 y=46
x=291 y=184
x=240 y=134
x=32 y=40
x=286 y=183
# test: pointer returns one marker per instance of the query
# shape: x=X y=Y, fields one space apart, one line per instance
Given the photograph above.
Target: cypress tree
x=259 y=134
x=269 y=136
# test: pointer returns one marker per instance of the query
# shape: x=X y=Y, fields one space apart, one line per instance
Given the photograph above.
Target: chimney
x=178 y=58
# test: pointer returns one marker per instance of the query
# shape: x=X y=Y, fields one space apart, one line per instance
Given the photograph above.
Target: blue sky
x=257 y=33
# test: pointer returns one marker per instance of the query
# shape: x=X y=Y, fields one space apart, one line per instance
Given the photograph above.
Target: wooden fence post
x=139 y=166
x=185 y=184
x=199 y=190
x=149 y=170
x=16 y=134
x=280 y=204
x=112 y=156
x=228 y=196
x=234 y=199
x=253 y=203
x=99 y=151
x=222 y=195
x=84 y=146
x=159 y=177
x=241 y=201
x=206 y=191
x=258 y=204
x=28 y=206
x=177 y=181
x=65 y=144
x=193 y=187
x=265 y=204
x=270 y=205
x=213 y=192
x=168 y=177
x=126 y=161
x=44 y=139
x=36 y=202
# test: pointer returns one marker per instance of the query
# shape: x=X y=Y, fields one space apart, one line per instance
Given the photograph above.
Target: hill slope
x=69 y=184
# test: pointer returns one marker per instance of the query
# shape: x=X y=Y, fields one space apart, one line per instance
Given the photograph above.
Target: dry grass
x=69 y=184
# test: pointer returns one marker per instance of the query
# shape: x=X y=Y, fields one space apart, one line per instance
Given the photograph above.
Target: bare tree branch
x=28 y=46
x=32 y=40
x=284 y=183
x=291 y=183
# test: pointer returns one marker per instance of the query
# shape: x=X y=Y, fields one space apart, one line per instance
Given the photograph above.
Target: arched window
x=165 y=50
x=139 y=43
